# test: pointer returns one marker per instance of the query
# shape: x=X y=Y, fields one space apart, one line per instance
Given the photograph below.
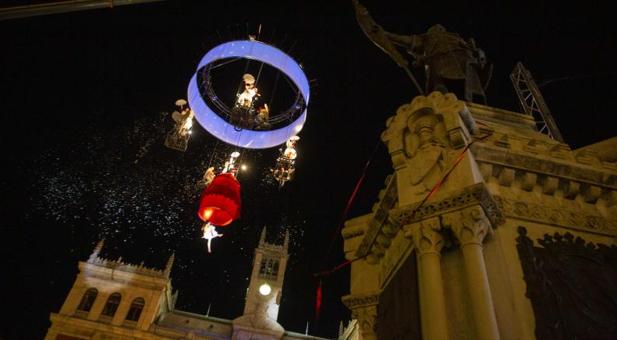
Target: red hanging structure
x=318 y=297
x=220 y=201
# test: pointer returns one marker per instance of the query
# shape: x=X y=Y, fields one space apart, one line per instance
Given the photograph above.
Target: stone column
x=364 y=309
x=428 y=243
x=470 y=226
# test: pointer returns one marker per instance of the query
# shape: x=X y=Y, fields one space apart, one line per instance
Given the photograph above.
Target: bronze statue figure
x=451 y=64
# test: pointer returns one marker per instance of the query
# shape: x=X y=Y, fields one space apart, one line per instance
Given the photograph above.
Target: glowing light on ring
x=225 y=131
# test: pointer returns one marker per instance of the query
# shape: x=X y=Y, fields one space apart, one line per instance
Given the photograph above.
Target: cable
x=351 y=199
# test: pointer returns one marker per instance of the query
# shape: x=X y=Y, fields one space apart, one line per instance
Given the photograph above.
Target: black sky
x=82 y=95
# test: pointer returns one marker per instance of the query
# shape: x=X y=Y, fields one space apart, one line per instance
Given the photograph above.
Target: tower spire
x=286 y=242
x=170 y=263
x=262 y=239
x=97 y=249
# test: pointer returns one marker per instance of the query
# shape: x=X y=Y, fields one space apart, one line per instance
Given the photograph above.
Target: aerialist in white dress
x=209 y=234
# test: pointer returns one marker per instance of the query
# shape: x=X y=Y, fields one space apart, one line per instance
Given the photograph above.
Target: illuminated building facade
x=116 y=300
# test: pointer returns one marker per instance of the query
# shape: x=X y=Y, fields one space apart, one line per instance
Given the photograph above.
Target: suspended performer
x=245 y=99
x=179 y=136
x=230 y=165
x=285 y=164
x=210 y=233
x=183 y=117
x=209 y=176
x=263 y=114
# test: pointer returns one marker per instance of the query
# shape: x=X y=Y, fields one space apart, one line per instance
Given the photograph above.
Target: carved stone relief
x=470 y=225
x=572 y=219
x=541 y=164
x=364 y=309
x=421 y=138
x=476 y=194
x=571 y=285
x=426 y=236
x=426 y=146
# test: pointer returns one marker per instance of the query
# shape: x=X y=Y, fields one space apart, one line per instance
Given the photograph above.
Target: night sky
x=83 y=102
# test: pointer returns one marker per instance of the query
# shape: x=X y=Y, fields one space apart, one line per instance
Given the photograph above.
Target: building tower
x=113 y=297
x=263 y=295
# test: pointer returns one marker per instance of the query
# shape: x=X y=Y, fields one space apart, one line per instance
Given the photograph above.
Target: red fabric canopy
x=220 y=202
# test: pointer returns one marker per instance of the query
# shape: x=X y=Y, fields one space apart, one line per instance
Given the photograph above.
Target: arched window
x=275 y=268
x=112 y=305
x=88 y=300
x=135 y=311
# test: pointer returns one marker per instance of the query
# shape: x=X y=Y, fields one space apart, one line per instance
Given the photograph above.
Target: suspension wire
x=284 y=39
x=219 y=35
x=273 y=34
x=237 y=31
x=259 y=74
x=274 y=88
x=213 y=153
x=292 y=46
x=225 y=63
x=292 y=85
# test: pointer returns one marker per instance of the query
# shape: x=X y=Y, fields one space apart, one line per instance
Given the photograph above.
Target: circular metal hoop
x=223 y=130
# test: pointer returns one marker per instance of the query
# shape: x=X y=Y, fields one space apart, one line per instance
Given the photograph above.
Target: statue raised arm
x=450 y=63
x=382 y=39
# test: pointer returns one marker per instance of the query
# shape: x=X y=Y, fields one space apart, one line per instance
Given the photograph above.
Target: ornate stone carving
x=364 y=309
x=470 y=225
x=591 y=193
x=426 y=236
x=506 y=177
x=360 y=300
x=528 y=180
x=568 y=218
x=485 y=153
x=367 y=317
x=380 y=223
x=422 y=136
x=476 y=194
x=571 y=285
x=549 y=185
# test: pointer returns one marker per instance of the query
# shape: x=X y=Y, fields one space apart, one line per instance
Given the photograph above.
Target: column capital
x=426 y=236
x=469 y=225
x=367 y=317
x=364 y=309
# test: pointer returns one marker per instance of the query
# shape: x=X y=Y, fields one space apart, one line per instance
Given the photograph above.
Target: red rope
x=351 y=199
x=318 y=301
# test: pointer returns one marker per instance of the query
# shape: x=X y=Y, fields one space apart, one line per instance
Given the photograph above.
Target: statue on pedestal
x=450 y=63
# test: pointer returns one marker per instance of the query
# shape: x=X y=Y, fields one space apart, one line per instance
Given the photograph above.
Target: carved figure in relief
x=426 y=145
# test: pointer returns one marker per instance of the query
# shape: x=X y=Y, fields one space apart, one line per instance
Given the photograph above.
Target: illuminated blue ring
x=225 y=131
